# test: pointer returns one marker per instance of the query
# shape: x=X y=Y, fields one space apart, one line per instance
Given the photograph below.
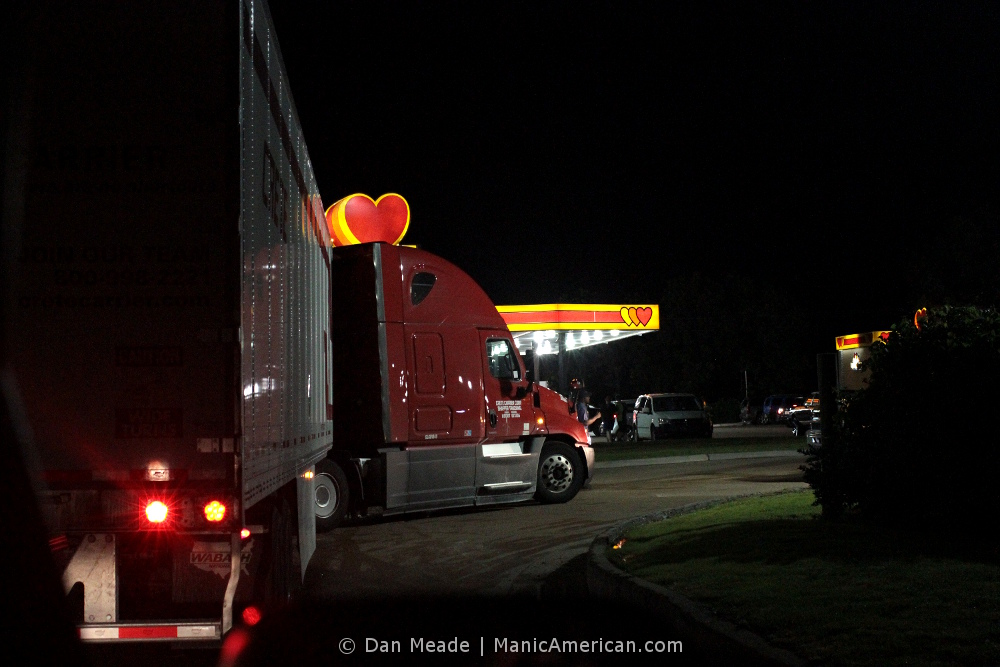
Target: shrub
x=917 y=444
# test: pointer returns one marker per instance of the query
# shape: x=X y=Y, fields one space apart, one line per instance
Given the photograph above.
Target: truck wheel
x=560 y=473
x=332 y=495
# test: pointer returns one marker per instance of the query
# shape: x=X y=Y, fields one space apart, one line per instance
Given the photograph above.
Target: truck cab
x=432 y=404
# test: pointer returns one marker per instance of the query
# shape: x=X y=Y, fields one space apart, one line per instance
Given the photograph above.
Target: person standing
x=608 y=413
x=582 y=409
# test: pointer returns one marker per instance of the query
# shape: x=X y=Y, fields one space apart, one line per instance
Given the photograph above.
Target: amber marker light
x=308 y=474
x=156 y=512
x=215 y=511
x=245 y=533
x=540 y=421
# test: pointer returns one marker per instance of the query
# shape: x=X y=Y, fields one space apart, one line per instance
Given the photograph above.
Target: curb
x=719 y=641
x=696 y=458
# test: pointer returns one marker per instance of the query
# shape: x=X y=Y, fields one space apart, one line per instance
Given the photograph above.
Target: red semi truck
x=433 y=406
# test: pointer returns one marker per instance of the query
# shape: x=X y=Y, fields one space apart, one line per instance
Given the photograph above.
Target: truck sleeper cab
x=433 y=407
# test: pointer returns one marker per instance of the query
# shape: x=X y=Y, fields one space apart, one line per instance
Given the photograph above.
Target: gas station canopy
x=852 y=351
x=550 y=328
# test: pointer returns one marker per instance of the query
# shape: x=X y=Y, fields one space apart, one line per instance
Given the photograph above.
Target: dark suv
x=776 y=405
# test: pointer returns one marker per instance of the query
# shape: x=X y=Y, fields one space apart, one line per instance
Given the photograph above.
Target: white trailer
x=171 y=333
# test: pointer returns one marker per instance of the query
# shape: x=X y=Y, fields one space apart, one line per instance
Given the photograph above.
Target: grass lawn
x=834 y=594
x=615 y=451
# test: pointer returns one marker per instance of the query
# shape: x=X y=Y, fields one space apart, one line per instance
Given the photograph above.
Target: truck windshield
x=675 y=403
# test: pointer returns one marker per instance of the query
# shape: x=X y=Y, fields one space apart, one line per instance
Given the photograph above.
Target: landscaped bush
x=919 y=443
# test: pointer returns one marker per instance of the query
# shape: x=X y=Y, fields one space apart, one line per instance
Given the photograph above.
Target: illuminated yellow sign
x=361 y=219
x=581 y=316
x=852 y=341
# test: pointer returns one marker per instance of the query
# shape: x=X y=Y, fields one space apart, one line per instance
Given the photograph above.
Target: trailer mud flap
x=204 y=571
x=94 y=566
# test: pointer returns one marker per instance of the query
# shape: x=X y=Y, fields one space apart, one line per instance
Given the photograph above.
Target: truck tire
x=332 y=495
x=560 y=473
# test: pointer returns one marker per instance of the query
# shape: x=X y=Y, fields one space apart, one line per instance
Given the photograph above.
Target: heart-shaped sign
x=634 y=317
x=360 y=219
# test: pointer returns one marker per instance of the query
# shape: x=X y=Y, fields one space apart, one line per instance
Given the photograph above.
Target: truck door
x=507 y=464
x=508 y=411
x=643 y=417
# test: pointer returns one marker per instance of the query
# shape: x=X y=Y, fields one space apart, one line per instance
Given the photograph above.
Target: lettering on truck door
x=508 y=416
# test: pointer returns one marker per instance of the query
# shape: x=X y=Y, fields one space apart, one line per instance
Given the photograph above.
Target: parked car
x=775 y=407
x=662 y=415
x=802 y=418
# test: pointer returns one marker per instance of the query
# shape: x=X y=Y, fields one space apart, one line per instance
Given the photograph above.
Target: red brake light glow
x=215 y=511
x=156 y=512
x=251 y=616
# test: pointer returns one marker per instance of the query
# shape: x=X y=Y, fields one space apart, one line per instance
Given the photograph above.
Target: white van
x=662 y=415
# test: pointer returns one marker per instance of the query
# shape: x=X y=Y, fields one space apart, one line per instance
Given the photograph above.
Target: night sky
x=607 y=151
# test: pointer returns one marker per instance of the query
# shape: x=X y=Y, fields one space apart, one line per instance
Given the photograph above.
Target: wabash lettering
x=209 y=558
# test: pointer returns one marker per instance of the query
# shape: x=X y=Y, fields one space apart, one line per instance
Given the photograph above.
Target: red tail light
x=156 y=511
x=251 y=616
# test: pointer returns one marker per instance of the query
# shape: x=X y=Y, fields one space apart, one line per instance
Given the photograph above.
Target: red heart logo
x=360 y=219
x=633 y=316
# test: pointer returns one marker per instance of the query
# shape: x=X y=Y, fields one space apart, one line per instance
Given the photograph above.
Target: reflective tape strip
x=198 y=632
x=98 y=633
x=149 y=632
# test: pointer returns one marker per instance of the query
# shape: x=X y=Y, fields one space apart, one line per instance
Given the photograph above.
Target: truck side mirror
x=529 y=365
x=525 y=390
